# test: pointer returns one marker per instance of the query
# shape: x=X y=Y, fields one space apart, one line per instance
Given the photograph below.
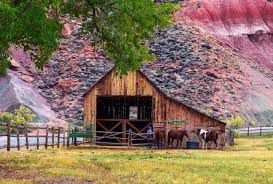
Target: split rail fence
x=20 y=137
x=255 y=131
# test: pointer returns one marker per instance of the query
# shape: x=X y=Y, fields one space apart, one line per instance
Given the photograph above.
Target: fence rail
x=250 y=131
x=29 y=136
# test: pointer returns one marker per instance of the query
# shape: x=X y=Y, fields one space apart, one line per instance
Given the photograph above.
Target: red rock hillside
x=246 y=27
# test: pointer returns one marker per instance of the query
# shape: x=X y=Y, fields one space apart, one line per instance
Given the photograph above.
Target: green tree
x=117 y=26
x=22 y=116
x=235 y=122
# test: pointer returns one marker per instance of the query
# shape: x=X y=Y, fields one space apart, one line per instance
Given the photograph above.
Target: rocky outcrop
x=247 y=28
x=15 y=92
x=206 y=72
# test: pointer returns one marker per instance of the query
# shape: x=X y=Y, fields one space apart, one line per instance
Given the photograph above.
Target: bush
x=235 y=122
x=22 y=116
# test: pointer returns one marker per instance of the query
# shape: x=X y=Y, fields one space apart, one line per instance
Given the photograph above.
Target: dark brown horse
x=160 y=137
x=178 y=135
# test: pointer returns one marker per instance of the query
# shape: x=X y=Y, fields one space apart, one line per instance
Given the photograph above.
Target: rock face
x=194 y=69
x=247 y=28
x=74 y=68
x=200 y=66
x=15 y=92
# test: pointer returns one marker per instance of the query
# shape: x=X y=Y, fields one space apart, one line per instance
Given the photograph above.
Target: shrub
x=22 y=116
x=235 y=122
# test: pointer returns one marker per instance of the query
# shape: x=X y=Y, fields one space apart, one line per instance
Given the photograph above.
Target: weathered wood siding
x=136 y=84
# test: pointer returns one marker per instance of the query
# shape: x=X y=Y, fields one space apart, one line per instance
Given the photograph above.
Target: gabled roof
x=157 y=88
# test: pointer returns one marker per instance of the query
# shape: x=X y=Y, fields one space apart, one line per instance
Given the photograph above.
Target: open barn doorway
x=121 y=113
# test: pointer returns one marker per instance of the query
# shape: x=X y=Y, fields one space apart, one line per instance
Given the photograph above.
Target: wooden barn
x=133 y=102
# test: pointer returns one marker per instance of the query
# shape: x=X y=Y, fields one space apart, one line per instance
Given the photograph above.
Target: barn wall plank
x=136 y=84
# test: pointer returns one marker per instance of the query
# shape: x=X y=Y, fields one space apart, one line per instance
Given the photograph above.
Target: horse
x=207 y=136
x=178 y=135
x=160 y=137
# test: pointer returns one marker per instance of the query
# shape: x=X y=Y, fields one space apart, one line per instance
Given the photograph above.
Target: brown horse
x=160 y=137
x=178 y=135
x=208 y=136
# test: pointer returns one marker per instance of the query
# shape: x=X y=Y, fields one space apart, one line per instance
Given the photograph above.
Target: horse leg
x=216 y=143
x=203 y=145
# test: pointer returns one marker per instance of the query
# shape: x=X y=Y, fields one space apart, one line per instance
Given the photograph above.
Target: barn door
x=121 y=113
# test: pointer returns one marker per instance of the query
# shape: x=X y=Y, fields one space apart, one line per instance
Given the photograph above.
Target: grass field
x=250 y=161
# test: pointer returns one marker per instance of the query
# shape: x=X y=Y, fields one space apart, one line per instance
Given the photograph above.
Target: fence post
x=53 y=136
x=75 y=138
x=68 y=136
x=18 y=137
x=58 y=139
x=63 y=137
x=8 y=137
x=248 y=131
x=46 y=137
x=131 y=138
x=26 y=135
x=260 y=130
x=37 y=131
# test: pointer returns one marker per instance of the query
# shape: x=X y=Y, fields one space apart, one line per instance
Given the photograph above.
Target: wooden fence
x=26 y=136
x=254 y=131
x=19 y=137
x=126 y=138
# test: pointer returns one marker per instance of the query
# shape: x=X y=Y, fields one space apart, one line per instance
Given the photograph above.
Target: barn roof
x=159 y=89
x=182 y=69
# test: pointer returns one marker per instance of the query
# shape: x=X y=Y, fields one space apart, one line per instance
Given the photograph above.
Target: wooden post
x=58 y=139
x=68 y=136
x=128 y=142
x=75 y=138
x=18 y=137
x=63 y=137
x=26 y=135
x=248 y=131
x=72 y=138
x=37 y=131
x=260 y=130
x=123 y=130
x=53 y=136
x=46 y=137
x=8 y=137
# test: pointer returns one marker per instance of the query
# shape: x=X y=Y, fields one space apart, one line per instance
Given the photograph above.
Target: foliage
x=22 y=116
x=117 y=26
x=235 y=122
x=252 y=123
x=26 y=23
x=176 y=123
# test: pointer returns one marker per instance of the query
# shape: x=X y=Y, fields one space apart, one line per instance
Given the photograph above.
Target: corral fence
x=248 y=131
x=254 y=131
x=20 y=137
x=105 y=138
x=26 y=137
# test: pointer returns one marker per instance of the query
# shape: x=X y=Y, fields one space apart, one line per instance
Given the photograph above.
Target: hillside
x=197 y=64
x=246 y=27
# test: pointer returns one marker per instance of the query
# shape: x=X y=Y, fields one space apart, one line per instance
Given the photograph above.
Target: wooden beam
x=102 y=126
x=114 y=126
x=136 y=129
x=123 y=130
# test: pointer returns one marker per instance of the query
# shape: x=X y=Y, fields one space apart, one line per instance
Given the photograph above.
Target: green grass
x=250 y=161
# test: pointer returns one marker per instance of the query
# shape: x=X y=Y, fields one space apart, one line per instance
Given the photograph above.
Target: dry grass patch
x=250 y=161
